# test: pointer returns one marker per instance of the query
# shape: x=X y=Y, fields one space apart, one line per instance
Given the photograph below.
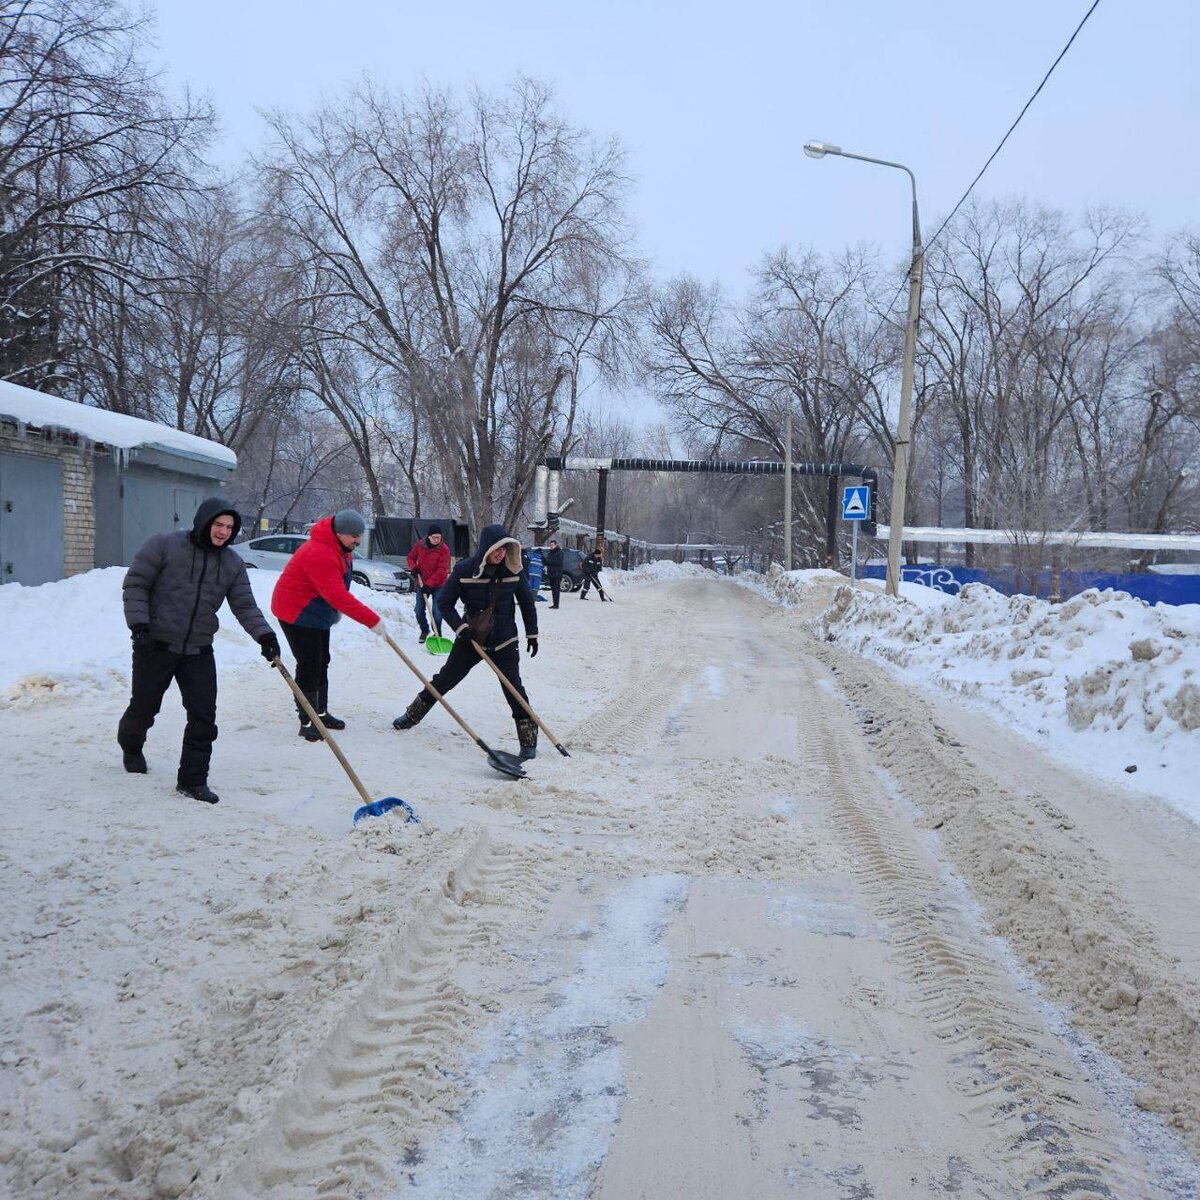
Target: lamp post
x=903 y=423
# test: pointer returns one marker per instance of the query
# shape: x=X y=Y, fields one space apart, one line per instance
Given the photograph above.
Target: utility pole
x=904 y=421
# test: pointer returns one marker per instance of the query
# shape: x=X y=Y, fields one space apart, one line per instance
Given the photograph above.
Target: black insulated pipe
x=720 y=466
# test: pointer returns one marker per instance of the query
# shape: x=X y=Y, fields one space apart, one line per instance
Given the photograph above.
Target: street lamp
x=916 y=272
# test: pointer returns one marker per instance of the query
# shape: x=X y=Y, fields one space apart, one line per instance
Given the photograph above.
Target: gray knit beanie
x=350 y=522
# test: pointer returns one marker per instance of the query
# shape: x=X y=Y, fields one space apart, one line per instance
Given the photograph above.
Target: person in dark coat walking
x=489 y=585
x=591 y=573
x=552 y=558
x=309 y=599
x=171 y=593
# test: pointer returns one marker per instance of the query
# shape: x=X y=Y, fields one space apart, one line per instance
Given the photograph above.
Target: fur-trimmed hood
x=492 y=537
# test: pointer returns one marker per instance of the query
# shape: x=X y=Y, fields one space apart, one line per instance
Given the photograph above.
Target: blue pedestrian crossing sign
x=854 y=502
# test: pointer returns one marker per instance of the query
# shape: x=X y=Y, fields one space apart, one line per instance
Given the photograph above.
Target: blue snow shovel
x=369 y=808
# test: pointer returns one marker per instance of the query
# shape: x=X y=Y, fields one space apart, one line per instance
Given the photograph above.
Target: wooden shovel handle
x=302 y=700
x=514 y=693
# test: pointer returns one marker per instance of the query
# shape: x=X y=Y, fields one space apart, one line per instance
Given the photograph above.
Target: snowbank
x=1104 y=679
x=655 y=572
x=71 y=637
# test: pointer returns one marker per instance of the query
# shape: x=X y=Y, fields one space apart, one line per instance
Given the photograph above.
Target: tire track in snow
x=1023 y=1080
x=354 y=1106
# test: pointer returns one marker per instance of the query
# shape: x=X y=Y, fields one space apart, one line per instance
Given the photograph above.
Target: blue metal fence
x=1153 y=588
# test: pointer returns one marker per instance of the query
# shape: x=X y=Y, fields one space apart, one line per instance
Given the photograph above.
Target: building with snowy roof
x=81 y=487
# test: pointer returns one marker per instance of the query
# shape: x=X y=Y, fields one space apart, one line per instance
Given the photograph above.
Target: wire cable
x=990 y=159
x=1036 y=92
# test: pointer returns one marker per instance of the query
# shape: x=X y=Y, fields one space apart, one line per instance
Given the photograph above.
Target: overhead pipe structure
x=546 y=481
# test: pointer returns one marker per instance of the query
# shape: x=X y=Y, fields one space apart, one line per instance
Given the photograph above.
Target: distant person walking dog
x=171 y=593
x=489 y=586
x=429 y=563
x=552 y=558
x=591 y=567
x=312 y=594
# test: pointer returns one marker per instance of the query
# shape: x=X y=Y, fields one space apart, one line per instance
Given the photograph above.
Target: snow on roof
x=99 y=425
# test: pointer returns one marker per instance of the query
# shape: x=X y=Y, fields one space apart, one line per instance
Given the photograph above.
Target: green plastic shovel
x=439 y=645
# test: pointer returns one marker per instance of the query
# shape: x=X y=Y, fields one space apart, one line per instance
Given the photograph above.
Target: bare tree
x=88 y=145
x=451 y=244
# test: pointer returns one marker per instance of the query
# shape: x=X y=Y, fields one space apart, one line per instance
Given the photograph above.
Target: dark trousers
x=463 y=658
x=196 y=675
x=592 y=581
x=555 y=582
x=311 y=648
x=428 y=595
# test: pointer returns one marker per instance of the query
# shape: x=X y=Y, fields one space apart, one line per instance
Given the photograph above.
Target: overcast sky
x=714 y=100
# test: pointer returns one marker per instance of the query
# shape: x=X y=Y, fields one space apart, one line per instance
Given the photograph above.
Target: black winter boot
x=327 y=718
x=527 y=732
x=135 y=761
x=415 y=712
x=199 y=791
x=308 y=731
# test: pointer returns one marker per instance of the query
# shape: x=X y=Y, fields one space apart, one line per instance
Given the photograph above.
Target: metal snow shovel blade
x=520 y=699
x=500 y=760
x=439 y=645
x=374 y=808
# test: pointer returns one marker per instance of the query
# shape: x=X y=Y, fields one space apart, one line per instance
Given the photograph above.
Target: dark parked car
x=572 y=576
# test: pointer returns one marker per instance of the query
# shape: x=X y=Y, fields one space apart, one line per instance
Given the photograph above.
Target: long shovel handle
x=412 y=666
x=516 y=695
x=302 y=700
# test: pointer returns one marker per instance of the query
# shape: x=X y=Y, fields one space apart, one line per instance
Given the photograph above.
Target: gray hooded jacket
x=178 y=581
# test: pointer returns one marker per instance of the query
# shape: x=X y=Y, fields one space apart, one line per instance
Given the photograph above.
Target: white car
x=272 y=551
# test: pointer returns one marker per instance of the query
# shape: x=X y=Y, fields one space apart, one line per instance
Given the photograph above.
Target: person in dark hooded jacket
x=171 y=593
x=489 y=585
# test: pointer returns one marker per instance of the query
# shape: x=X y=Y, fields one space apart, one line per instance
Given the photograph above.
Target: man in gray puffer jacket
x=172 y=592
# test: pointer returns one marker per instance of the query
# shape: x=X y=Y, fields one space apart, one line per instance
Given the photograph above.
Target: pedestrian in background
x=171 y=593
x=591 y=567
x=429 y=563
x=312 y=594
x=552 y=560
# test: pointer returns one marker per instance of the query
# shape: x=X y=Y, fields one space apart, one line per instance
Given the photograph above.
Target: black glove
x=531 y=644
x=140 y=634
x=269 y=645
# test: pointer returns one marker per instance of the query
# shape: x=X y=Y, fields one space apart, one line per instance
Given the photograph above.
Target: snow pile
x=656 y=572
x=788 y=587
x=70 y=636
x=1110 y=680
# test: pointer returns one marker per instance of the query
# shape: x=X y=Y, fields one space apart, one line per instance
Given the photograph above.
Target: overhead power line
x=990 y=159
x=1036 y=92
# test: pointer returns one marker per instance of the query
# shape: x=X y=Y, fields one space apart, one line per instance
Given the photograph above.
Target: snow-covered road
x=783 y=925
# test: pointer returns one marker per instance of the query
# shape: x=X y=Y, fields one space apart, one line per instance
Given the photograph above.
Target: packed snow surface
x=729 y=906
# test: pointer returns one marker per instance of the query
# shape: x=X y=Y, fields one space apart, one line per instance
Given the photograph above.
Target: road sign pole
x=853 y=551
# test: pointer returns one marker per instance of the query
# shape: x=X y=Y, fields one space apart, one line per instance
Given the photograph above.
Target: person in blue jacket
x=489 y=585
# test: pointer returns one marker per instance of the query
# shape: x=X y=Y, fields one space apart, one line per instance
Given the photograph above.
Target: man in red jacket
x=429 y=562
x=312 y=594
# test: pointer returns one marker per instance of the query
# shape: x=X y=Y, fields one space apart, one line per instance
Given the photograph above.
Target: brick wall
x=79 y=506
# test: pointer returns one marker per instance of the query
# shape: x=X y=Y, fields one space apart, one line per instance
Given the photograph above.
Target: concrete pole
x=904 y=423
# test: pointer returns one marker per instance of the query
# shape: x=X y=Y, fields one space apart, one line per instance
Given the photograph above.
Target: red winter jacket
x=314 y=589
x=431 y=563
